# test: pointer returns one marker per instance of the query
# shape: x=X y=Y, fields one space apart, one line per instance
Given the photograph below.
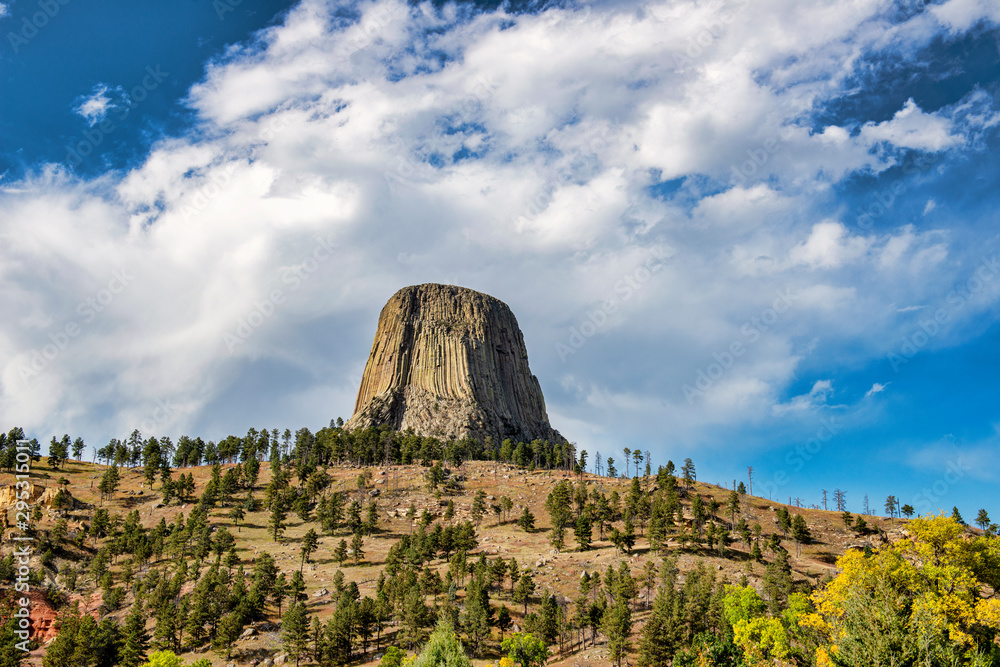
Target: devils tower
x=450 y=362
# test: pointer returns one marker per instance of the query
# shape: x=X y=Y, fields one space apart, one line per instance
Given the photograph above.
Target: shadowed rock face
x=450 y=362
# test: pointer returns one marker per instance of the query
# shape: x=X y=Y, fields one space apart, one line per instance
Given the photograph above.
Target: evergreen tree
x=297 y=587
x=527 y=521
x=688 y=472
x=279 y=591
x=78 y=448
x=228 y=631
x=310 y=542
x=583 y=532
x=135 y=640
x=357 y=544
x=371 y=518
x=800 y=531
x=478 y=507
x=617 y=626
x=477 y=613
x=237 y=514
x=276 y=524
x=653 y=650
x=524 y=589
x=340 y=553
x=295 y=631
x=503 y=621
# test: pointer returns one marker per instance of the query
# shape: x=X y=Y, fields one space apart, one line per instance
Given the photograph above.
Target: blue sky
x=756 y=235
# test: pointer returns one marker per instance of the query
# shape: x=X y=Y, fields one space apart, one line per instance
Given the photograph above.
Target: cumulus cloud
x=335 y=160
x=960 y=15
x=912 y=128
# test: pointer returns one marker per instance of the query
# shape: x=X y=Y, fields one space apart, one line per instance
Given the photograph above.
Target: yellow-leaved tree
x=927 y=600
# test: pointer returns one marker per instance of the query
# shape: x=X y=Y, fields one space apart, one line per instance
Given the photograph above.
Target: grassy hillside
x=395 y=489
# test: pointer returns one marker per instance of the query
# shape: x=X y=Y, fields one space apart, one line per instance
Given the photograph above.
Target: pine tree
x=310 y=542
x=524 y=589
x=357 y=544
x=503 y=621
x=583 y=532
x=617 y=626
x=276 y=524
x=527 y=521
x=653 y=650
x=688 y=472
x=295 y=631
x=371 y=518
x=237 y=514
x=477 y=613
x=279 y=591
x=478 y=507
x=800 y=532
x=297 y=587
x=165 y=632
x=135 y=639
x=340 y=553
x=228 y=631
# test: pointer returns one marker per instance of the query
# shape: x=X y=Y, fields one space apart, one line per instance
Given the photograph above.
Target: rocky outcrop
x=450 y=362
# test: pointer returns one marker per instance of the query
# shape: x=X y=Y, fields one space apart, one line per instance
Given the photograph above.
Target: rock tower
x=450 y=362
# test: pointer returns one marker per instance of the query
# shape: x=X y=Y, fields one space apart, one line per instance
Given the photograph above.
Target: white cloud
x=960 y=15
x=4 y=9
x=876 y=388
x=829 y=246
x=817 y=396
x=95 y=107
x=323 y=134
x=912 y=128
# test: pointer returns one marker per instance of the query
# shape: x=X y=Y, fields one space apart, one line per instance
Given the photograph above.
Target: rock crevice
x=450 y=362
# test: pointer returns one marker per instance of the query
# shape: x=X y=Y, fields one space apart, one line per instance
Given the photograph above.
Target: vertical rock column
x=449 y=362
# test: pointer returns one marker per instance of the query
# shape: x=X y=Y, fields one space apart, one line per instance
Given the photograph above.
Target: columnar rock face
x=450 y=362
